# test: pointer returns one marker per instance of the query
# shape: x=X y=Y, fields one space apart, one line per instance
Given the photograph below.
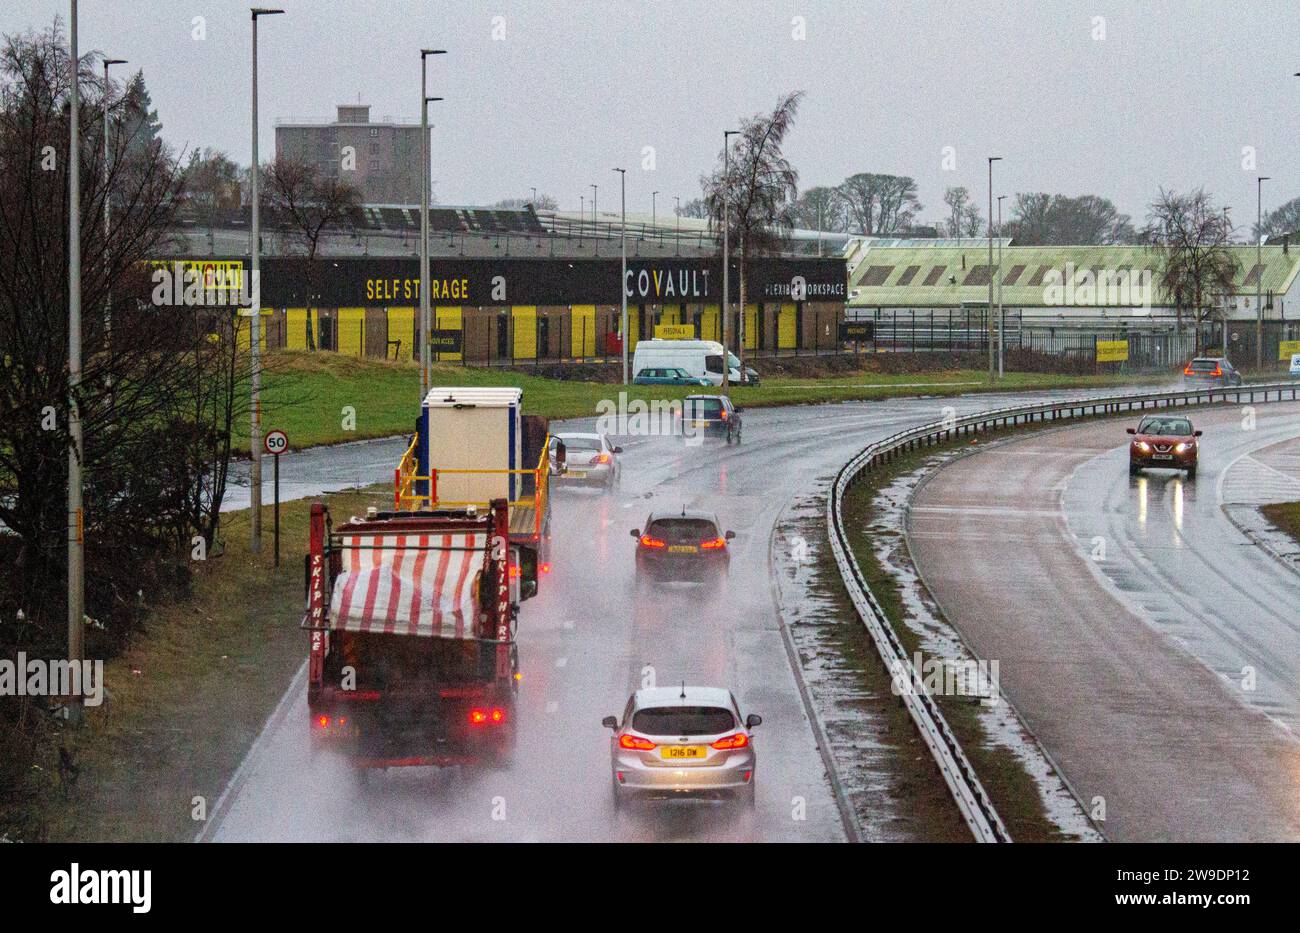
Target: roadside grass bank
x=889 y=778
x=324 y=398
x=1285 y=516
x=1014 y=791
x=187 y=697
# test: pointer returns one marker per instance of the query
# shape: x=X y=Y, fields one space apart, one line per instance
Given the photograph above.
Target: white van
x=700 y=358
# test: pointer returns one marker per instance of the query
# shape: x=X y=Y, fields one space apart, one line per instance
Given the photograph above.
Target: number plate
x=1162 y=456
x=682 y=549
x=681 y=752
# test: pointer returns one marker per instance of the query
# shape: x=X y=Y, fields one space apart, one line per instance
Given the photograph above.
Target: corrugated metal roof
x=481 y=396
x=1028 y=288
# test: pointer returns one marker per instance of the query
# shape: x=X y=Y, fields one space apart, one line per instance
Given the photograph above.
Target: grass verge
x=189 y=696
x=307 y=394
x=1284 y=515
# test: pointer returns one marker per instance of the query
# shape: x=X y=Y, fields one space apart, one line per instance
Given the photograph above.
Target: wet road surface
x=1148 y=643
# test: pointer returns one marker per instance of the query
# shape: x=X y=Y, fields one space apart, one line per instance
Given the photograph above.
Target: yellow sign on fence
x=1112 y=351
x=674 y=332
x=1287 y=349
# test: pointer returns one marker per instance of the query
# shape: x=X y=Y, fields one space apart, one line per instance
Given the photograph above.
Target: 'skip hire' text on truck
x=412 y=613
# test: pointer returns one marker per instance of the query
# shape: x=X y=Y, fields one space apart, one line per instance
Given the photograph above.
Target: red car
x=1167 y=441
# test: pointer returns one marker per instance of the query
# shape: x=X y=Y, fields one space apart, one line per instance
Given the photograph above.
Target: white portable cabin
x=463 y=428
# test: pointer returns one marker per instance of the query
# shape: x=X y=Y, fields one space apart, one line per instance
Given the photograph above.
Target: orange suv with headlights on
x=1167 y=441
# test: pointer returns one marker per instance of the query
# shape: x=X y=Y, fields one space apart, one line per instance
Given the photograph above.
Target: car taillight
x=600 y=458
x=480 y=717
x=714 y=544
x=1218 y=371
x=635 y=742
x=647 y=541
x=1188 y=372
x=723 y=414
x=739 y=740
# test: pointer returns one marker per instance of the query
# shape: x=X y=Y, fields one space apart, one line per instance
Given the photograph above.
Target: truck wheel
x=1134 y=469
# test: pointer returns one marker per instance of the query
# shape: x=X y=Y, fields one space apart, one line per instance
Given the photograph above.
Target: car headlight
x=1180 y=448
x=1144 y=446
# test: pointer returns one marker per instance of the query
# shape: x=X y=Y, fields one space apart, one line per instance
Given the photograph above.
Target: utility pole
x=1259 y=265
x=76 y=523
x=255 y=319
x=726 y=258
x=992 y=159
x=425 y=322
x=108 y=291
x=622 y=279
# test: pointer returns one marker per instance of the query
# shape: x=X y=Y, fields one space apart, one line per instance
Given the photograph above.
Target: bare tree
x=307 y=204
x=963 y=216
x=758 y=192
x=544 y=202
x=695 y=208
x=1190 y=237
x=878 y=204
x=1040 y=219
x=1280 y=221
x=212 y=186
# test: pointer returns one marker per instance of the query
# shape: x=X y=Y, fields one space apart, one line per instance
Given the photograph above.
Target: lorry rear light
x=647 y=541
x=635 y=742
x=322 y=722
x=546 y=567
x=477 y=717
x=498 y=715
x=514 y=571
x=739 y=740
x=714 y=544
x=481 y=717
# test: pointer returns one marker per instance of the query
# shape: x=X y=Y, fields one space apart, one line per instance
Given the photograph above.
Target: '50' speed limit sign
x=275 y=442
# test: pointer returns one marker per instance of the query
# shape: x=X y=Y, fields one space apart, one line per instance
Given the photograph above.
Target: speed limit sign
x=276 y=442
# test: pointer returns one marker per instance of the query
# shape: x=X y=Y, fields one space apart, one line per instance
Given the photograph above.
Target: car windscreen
x=713 y=363
x=683 y=530
x=1166 y=427
x=1204 y=366
x=683 y=720
x=703 y=407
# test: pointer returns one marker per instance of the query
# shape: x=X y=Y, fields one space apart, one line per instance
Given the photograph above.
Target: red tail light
x=1218 y=371
x=600 y=458
x=647 y=541
x=739 y=740
x=481 y=717
x=545 y=567
x=724 y=414
x=635 y=742
x=514 y=571
x=322 y=722
x=714 y=544
x=1188 y=372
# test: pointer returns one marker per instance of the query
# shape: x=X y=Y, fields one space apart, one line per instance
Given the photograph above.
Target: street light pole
x=594 y=229
x=1259 y=266
x=992 y=159
x=425 y=322
x=726 y=257
x=622 y=279
x=76 y=542
x=677 y=240
x=654 y=211
x=108 y=291
x=255 y=320
x=1001 y=319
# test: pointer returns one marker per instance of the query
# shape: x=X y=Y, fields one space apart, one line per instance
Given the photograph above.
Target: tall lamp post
x=726 y=257
x=1259 y=266
x=76 y=542
x=255 y=319
x=677 y=240
x=1002 y=328
x=594 y=230
x=108 y=294
x=992 y=159
x=622 y=279
x=425 y=322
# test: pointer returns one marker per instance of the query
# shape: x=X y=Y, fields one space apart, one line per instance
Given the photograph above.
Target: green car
x=667 y=376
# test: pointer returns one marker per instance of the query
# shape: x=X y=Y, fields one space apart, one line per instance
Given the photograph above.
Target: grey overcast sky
x=555 y=94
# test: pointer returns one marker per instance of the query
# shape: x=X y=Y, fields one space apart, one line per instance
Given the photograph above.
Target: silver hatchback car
x=589 y=459
x=688 y=741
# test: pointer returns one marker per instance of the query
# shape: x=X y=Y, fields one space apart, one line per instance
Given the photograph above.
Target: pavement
x=1149 y=644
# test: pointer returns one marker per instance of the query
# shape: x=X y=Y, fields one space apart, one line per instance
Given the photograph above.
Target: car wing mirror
x=1197 y=433
x=561 y=457
x=752 y=720
x=635 y=532
x=618 y=450
x=1131 y=430
x=730 y=535
x=610 y=722
x=740 y=408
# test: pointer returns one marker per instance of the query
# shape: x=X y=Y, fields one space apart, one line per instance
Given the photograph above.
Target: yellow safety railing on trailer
x=406 y=476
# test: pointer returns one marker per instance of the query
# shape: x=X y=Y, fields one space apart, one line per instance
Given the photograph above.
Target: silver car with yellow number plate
x=683 y=741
